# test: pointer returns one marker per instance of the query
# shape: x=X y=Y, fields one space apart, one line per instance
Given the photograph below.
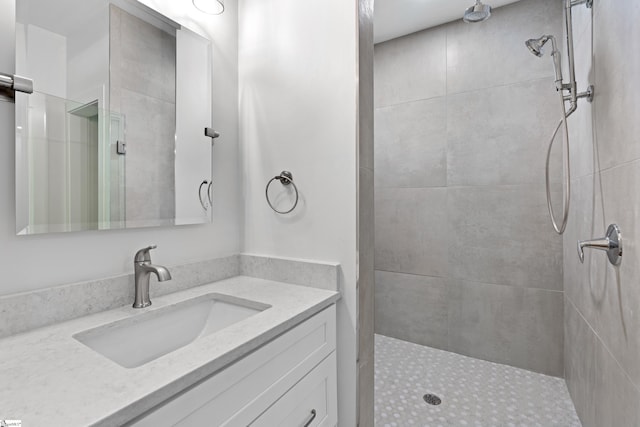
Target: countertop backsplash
x=25 y=311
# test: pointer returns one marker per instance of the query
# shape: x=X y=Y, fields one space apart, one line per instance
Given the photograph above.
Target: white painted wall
x=298 y=69
x=46 y=60
x=32 y=262
x=88 y=58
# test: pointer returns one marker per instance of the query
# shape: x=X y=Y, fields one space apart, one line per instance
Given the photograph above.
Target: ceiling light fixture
x=210 y=7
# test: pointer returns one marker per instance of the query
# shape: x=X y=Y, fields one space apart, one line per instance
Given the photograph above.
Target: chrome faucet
x=611 y=244
x=143 y=269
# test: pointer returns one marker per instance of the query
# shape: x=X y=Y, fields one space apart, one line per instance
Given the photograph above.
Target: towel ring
x=285 y=178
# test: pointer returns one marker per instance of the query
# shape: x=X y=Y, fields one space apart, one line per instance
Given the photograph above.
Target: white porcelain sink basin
x=134 y=341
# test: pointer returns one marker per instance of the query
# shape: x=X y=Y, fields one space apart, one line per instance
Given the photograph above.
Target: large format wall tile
x=150 y=180
x=584 y=283
x=500 y=135
x=410 y=147
x=148 y=56
x=144 y=96
x=600 y=389
x=618 y=397
x=618 y=323
x=605 y=150
x=580 y=346
x=459 y=173
x=493 y=53
x=504 y=324
x=607 y=296
x=410 y=68
x=502 y=235
x=411 y=230
x=412 y=308
x=616 y=38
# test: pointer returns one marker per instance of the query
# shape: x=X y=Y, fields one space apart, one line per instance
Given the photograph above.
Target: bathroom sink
x=139 y=339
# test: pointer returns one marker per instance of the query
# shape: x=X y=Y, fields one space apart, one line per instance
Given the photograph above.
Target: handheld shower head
x=535 y=47
x=477 y=13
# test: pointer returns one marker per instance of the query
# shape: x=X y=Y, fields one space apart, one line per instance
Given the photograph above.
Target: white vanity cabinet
x=289 y=381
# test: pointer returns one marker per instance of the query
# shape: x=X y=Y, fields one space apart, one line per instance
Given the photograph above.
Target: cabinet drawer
x=239 y=393
x=312 y=402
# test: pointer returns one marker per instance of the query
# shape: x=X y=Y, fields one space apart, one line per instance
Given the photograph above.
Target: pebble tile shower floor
x=473 y=392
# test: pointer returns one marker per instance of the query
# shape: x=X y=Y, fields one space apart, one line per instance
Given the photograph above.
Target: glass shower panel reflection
x=60 y=165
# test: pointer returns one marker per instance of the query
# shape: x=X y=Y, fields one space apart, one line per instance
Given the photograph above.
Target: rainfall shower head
x=535 y=45
x=477 y=13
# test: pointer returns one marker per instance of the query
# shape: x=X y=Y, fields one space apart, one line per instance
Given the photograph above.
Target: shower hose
x=567 y=172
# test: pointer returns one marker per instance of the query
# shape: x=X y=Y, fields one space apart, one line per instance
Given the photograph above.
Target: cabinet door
x=312 y=402
x=236 y=395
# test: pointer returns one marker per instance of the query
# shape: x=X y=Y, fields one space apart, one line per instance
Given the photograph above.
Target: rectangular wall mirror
x=113 y=135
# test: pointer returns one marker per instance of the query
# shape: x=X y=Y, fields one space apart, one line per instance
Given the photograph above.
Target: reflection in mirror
x=112 y=136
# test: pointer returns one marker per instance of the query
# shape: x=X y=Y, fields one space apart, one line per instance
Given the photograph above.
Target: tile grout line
x=446 y=93
x=485 y=186
x=602 y=343
x=448 y=278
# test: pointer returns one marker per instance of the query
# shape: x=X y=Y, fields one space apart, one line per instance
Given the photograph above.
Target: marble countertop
x=49 y=378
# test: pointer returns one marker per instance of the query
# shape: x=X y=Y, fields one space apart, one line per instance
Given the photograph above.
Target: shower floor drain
x=432 y=399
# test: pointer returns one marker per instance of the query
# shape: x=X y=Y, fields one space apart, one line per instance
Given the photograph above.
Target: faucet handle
x=143 y=254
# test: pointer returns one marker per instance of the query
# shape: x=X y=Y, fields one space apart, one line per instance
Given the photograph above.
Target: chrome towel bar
x=12 y=82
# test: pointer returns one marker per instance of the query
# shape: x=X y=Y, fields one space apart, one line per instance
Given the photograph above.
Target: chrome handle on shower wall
x=611 y=243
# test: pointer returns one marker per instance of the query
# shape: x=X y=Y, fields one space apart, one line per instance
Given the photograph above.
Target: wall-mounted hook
x=209 y=132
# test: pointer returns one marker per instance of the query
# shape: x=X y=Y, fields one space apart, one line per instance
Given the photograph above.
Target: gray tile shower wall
x=465 y=255
x=602 y=326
